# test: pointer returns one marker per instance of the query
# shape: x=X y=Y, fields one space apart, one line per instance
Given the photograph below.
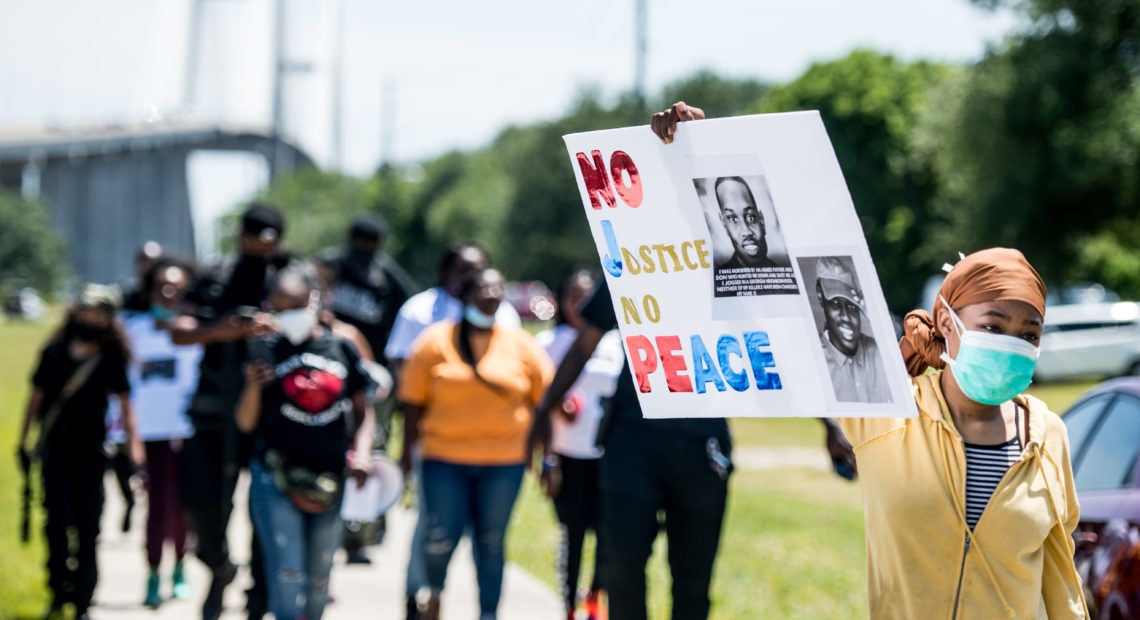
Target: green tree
x=717 y=96
x=870 y=104
x=30 y=251
x=543 y=231
x=1039 y=143
x=317 y=207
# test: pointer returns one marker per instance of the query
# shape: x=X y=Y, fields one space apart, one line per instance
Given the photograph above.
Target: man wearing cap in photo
x=853 y=360
x=227 y=300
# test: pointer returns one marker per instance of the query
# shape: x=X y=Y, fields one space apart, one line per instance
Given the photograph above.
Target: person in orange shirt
x=467 y=392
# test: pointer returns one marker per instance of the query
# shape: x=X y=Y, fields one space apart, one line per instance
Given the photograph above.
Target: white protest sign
x=738 y=271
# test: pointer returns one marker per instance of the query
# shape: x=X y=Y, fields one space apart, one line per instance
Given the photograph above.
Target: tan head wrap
x=996 y=274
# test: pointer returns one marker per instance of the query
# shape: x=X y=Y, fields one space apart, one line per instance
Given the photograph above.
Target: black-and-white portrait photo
x=845 y=334
x=749 y=253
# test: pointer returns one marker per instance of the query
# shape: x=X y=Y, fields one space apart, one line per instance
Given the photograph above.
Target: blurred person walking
x=366 y=288
x=83 y=363
x=571 y=472
x=467 y=391
x=439 y=303
x=135 y=300
x=225 y=309
x=304 y=397
x=164 y=377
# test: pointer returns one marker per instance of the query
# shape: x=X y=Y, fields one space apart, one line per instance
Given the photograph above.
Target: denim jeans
x=416 y=577
x=481 y=496
x=298 y=548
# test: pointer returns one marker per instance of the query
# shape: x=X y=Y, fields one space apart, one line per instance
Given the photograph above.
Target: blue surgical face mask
x=162 y=313
x=477 y=318
x=991 y=368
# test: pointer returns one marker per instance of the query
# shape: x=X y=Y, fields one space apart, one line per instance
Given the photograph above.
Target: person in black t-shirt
x=226 y=301
x=81 y=365
x=367 y=287
x=678 y=466
x=304 y=397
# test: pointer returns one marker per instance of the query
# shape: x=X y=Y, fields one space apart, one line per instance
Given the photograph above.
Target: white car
x=1090 y=339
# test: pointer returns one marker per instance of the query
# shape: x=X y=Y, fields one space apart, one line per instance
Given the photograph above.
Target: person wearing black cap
x=227 y=299
x=367 y=285
x=853 y=360
x=367 y=288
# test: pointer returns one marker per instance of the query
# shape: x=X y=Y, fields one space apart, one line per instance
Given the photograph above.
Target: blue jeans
x=298 y=548
x=481 y=496
x=417 y=575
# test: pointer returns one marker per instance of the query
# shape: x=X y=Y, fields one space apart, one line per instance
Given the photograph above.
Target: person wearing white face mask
x=439 y=303
x=467 y=391
x=304 y=397
x=970 y=507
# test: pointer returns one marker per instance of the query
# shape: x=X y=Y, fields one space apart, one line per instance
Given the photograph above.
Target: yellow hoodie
x=923 y=561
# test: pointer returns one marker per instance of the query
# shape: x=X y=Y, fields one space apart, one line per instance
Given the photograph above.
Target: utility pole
x=337 y=69
x=640 y=52
x=190 y=78
x=387 y=124
x=278 y=165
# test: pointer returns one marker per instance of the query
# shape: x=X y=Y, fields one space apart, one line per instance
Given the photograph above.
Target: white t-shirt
x=598 y=379
x=432 y=306
x=163 y=377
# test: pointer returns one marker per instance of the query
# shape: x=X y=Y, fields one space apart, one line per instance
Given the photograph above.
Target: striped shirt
x=985 y=467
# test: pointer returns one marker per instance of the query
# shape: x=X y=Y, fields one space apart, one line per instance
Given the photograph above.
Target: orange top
x=465 y=420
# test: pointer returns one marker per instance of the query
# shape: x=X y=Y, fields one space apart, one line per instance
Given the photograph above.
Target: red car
x=1104 y=437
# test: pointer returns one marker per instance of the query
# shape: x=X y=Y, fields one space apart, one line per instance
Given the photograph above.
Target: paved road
x=361 y=591
x=374 y=591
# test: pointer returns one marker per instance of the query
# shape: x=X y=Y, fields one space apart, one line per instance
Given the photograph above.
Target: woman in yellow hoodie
x=970 y=507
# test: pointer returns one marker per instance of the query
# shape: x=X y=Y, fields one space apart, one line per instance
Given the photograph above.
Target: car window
x=1081 y=419
x=1108 y=459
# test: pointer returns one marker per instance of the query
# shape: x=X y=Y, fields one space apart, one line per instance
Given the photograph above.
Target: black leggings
x=577 y=506
x=73 y=500
x=650 y=468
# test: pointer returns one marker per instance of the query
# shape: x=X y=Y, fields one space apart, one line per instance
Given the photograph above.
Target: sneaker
x=357 y=556
x=411 y=608
x=596 y=607
x=222 y=576
x=153 y=598
x=178 y=579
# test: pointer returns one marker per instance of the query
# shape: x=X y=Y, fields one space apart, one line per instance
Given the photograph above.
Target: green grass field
x=792 y=545
x=22 y=588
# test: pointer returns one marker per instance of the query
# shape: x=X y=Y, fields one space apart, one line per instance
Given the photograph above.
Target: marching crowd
x=293 y=370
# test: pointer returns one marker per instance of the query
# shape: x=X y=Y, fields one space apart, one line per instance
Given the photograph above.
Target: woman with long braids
x=467 y=392
x=82 y=364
